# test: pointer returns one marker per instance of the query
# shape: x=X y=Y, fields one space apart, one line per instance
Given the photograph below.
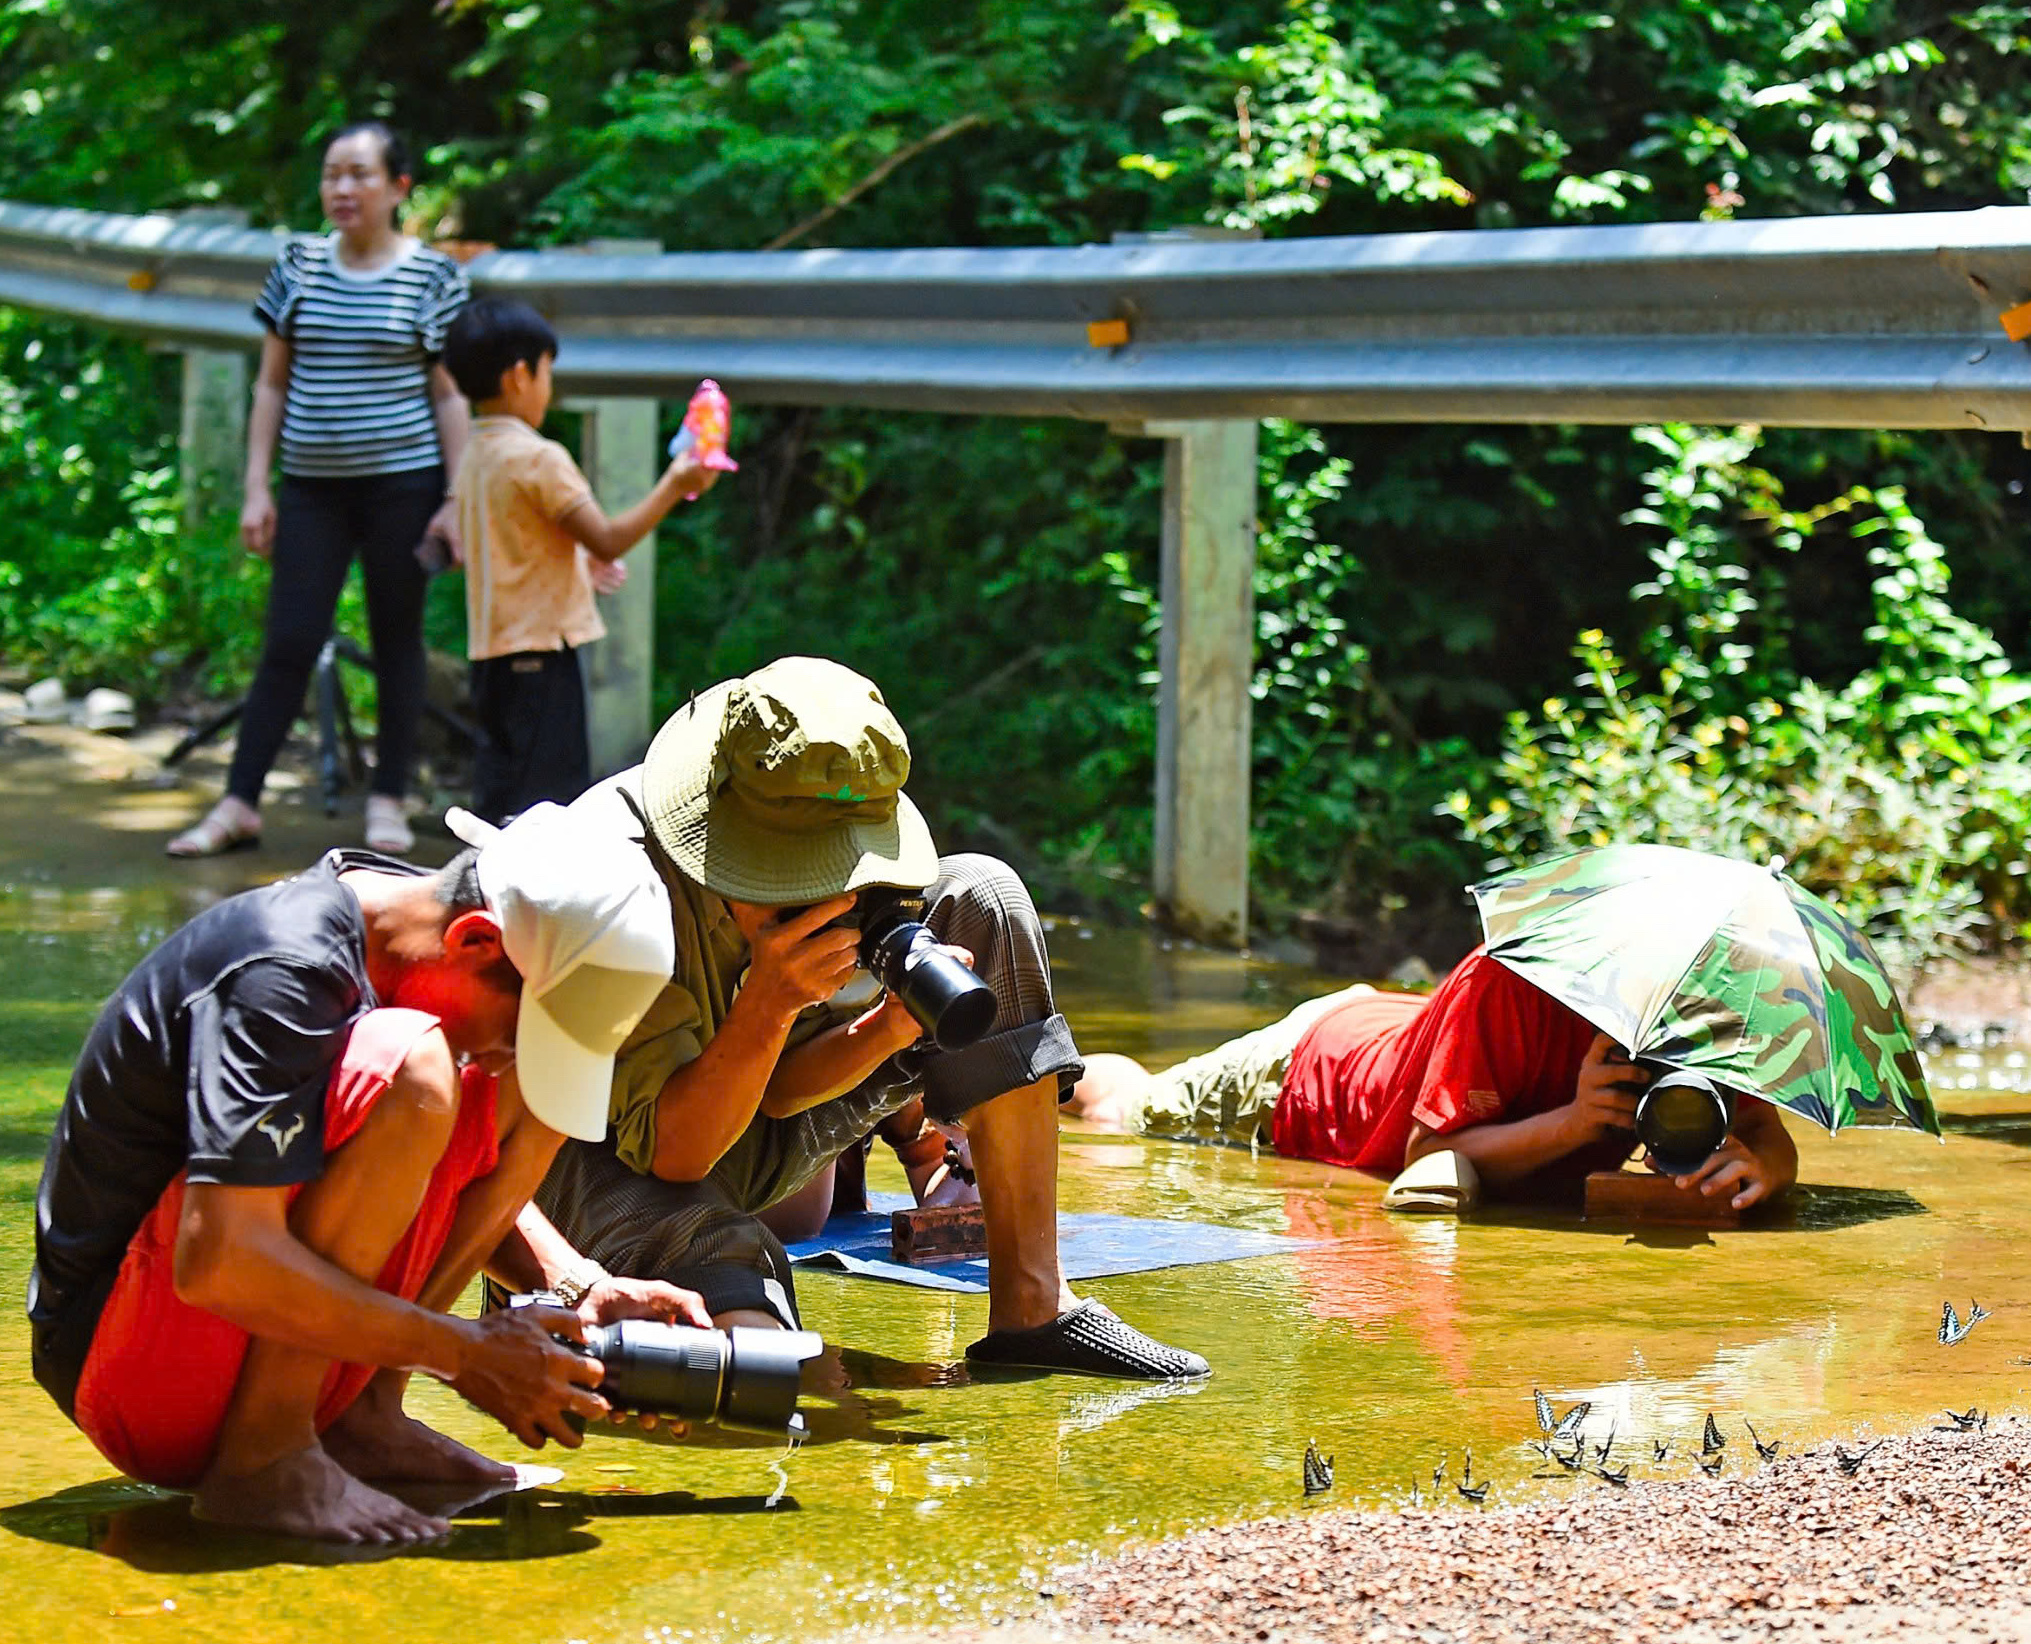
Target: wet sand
x=1928 y=1539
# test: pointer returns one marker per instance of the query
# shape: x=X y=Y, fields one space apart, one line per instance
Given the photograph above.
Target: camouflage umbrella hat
x=1729 y=969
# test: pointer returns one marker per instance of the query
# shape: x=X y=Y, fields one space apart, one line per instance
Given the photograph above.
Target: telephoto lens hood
x=1682 y=1118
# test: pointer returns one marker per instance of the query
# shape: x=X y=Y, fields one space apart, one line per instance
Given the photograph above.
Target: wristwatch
x=572 y=1284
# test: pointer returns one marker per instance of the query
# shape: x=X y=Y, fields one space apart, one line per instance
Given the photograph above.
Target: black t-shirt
x=212 y=1058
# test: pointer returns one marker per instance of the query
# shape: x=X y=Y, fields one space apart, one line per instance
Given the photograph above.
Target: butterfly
x=1574 y=1462
x=1662 y=1447
x=1601 y=1450
x=1467 y=1486
x=1439 y=1473
x=1951 y=1329
x=1478 y=1493
x=1415 y=1499
x=1852 y=1464
x=1553 y=1427
x=1318 y=1470
x=1711 y=1440
x=1767 y=1451
x=1618 y=1478
x=1712 y=1468
x=1975 y=1421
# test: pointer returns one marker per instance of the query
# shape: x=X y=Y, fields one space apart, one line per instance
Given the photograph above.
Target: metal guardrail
x=1865 y=321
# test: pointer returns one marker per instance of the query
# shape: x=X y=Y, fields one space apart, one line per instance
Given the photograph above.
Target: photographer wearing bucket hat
x=767 y=803
x=291 y=1139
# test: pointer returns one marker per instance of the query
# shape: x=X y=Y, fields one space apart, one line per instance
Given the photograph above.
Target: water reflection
x=1394 y=1341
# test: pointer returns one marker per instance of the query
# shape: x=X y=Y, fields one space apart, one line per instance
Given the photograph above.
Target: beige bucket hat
x=786 y=787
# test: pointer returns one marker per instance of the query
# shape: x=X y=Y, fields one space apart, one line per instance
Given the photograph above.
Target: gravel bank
x=1930 y=1539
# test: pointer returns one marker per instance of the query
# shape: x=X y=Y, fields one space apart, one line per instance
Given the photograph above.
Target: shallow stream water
x=928 y=1495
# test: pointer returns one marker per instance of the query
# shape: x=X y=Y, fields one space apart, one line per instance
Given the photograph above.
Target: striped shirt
x=361 y=347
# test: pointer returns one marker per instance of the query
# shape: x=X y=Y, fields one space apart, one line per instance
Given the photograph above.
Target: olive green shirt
x=712 y=956
x=712 y=960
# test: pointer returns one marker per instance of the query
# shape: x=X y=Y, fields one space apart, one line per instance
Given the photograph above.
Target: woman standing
x=369 y=425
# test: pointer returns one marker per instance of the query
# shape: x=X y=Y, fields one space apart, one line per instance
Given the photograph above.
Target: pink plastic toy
x=708 y=420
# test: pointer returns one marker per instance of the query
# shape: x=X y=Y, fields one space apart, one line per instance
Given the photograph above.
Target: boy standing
x=525 y=512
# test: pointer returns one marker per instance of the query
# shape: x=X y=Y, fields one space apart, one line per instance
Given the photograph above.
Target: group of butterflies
x=1556 y=1429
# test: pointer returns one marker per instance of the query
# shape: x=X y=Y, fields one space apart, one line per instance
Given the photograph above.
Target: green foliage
x=1415 y=585
x=96 y=579
x=1904 y=795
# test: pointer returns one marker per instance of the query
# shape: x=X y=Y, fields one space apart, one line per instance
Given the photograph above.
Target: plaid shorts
x=703 y=1235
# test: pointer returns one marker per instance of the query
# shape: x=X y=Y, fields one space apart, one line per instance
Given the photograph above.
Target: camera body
x=951 y=1003
x=1682 y=1118
x=746 y=1378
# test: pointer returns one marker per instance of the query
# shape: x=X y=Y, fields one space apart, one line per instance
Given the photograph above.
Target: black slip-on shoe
x=1089 y=1341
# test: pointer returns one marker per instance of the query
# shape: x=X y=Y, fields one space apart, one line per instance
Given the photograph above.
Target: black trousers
x=319 y=525
x=531 y=711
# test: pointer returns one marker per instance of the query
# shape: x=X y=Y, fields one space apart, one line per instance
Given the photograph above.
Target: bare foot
x=374 y=1443
x=307 y=1493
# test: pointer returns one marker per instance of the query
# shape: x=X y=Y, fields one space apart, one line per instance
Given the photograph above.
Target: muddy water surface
x=927 y=1494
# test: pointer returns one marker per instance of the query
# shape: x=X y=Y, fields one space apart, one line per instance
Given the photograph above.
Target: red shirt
x=1485 y=1045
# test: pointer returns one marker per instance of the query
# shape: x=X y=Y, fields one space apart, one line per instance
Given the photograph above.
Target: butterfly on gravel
x=1951 y=1329
x=1711 y=1468
x=1712 y=1440
x=1318 y=1470
x=1767 y=1451
x=1850 y=1463
x=1973 y=1421
x=1661 y=1448
x=1619 y=1477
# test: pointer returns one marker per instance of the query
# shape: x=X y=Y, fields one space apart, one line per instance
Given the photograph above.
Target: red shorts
x=160 y=1372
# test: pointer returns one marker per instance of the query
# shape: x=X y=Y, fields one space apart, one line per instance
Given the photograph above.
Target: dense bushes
x=1768 y=689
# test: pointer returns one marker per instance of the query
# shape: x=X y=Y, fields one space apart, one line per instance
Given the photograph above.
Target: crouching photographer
x=296 y=1132
x=772 y=808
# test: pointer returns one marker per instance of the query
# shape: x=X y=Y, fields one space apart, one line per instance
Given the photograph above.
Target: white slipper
x=1445 y=1182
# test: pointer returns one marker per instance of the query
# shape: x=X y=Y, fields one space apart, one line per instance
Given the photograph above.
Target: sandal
x=223 y=829
x=387 y=827
x=1090 y=1341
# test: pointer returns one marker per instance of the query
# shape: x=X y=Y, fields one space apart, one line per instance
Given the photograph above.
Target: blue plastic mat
x=1091 y=1246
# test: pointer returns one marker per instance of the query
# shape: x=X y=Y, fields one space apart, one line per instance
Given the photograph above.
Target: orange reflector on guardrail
x=2017 y=322
x=1108 y=333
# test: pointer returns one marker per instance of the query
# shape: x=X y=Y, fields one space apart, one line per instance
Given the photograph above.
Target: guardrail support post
x=211 y=441
x=1207 y=660
x=621 y=456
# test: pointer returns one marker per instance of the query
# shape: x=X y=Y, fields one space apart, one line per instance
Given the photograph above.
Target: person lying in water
x=293 y=1136
x=1487 y=1066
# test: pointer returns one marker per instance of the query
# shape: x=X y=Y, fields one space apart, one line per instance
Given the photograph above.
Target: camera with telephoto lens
x=1682 y=1119
x=951 y=1004
x=745 y=1377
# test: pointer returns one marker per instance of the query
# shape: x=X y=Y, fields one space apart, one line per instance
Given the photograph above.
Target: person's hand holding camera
x=890 y=1017
x=615 y=1298
x=797 y=961
x=1605 y=1094
x=529 y=1383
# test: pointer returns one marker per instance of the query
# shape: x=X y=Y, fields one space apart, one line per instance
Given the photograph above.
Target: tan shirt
x=527 y=585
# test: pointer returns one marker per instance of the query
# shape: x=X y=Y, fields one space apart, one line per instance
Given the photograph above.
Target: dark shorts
x=704 y=1235
x=530 y=707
